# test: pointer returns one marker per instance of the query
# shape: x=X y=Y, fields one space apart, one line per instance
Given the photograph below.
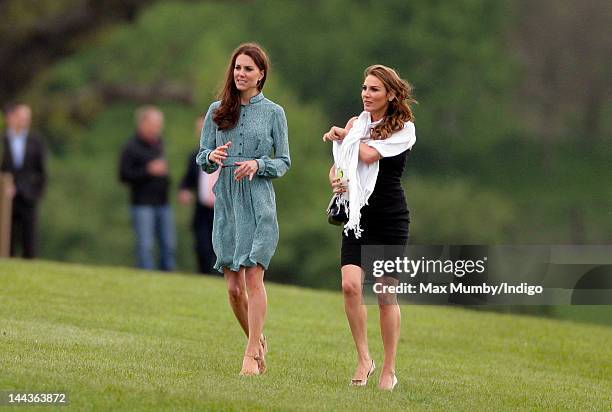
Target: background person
x=197 y=181
x=24 y=157
x=383 y=135
x=143 y=167
x=240 y=132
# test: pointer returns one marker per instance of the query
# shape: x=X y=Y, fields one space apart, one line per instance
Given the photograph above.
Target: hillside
x=120 y=339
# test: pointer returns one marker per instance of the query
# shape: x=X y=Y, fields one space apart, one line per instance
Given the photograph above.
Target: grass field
x=121 y=339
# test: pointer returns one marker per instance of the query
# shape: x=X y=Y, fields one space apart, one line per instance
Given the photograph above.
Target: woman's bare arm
x=368 y=154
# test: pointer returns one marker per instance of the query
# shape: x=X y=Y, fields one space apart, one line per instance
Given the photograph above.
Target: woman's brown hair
x=226 y=116
x=399 y=110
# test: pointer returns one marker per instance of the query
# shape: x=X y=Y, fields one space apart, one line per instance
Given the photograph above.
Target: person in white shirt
x=24 y=157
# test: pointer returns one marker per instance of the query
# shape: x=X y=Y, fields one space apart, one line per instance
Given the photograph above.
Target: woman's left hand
x=247 y=168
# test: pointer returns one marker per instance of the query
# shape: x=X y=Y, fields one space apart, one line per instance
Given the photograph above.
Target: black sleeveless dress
x=385 y=218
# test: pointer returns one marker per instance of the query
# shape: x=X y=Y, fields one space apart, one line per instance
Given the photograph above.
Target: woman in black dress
x=386 y=138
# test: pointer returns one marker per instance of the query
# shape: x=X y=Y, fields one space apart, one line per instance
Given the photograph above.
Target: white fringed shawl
x=362 y=177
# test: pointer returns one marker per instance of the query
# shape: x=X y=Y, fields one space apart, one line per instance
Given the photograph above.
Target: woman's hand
x=335 y=134
x=219 y=154
x=337 y=183
x=338 y=186
x=247 y=168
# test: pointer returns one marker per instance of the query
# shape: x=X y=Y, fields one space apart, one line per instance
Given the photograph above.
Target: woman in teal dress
x=240 y=133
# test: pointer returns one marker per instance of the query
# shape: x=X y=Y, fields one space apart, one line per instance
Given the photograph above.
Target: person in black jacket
x=199 y=183
x=24 y=156
x=144 y=169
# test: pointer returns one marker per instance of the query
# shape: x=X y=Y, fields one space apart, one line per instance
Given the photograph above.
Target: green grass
x=121 y=339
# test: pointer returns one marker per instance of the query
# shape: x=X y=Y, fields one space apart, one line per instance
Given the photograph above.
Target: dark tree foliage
x=36 y=33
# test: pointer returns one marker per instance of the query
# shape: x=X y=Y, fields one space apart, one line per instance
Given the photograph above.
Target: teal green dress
x=245 y=227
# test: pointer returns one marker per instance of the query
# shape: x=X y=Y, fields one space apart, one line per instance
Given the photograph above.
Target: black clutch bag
x=336 y=214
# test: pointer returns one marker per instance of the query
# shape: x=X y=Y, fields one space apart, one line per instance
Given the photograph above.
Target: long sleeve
x=281 y=162
x=208 y=141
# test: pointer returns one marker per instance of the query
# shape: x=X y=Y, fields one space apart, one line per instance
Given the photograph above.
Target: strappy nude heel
x=393 y=385
x=363 y=382
x=261 y=362
x=264 y=343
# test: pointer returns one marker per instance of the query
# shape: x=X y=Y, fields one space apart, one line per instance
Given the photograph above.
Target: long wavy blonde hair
x=399 y=110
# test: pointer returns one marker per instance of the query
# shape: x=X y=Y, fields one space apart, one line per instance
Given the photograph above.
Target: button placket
x=240 y=128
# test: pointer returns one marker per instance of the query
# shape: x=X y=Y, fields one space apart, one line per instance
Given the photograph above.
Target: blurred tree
x=565 y=50
x=452 y=52
x=35 y=33
x=564 y=92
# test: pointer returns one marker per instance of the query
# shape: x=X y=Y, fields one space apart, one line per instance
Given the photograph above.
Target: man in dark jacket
x=24 y=156
x=199 y=183
x=144 y=169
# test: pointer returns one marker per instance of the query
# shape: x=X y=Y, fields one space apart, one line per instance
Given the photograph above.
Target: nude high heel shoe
x=261 y=362
x=363 y=382
x=392 y=385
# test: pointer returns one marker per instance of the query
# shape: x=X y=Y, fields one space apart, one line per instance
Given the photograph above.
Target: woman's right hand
x=335 y=134
x=219 y=154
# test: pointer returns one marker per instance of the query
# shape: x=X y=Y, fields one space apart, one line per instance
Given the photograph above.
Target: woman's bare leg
x=238 y=298
x=390 y=320
x=257 y=307
x=357 y=317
